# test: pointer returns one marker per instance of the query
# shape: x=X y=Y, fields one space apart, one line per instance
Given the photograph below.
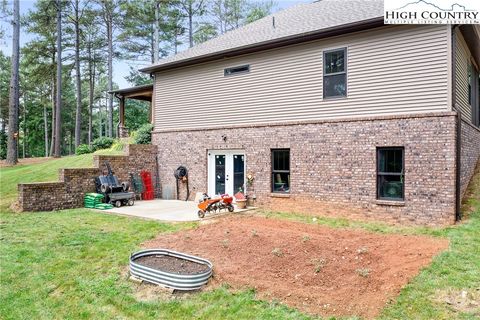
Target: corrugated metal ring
x=168 y=279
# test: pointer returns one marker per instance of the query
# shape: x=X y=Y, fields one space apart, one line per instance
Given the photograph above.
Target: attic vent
x=235 y=70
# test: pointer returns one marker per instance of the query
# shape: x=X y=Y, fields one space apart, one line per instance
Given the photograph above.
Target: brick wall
x=470 y=153
x=69 y=191
x=333 y=164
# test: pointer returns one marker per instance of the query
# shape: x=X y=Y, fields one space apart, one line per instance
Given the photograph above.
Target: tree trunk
x=70 y=144
x=78 y=116
x=91 y=82
x=100 y=120
x=190 y=24
x=156 y=36
x=53 y=93
x=24 y=122
x=45 y=125
x=12 y=146
x=58 y=118
x=110 y=74
x=176 y=43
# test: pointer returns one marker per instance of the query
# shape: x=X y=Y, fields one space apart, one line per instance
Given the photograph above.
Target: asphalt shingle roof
x=297 y=20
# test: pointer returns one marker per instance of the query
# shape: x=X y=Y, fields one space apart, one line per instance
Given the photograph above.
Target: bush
x=118 y=145
x=102 y=143
x=143 y=135
x=83 y=149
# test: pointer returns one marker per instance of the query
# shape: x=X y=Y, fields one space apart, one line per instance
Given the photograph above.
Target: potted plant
x=241 y=200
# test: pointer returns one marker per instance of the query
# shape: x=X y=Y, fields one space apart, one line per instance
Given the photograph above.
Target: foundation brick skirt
x=470 y=153
x=332 y=165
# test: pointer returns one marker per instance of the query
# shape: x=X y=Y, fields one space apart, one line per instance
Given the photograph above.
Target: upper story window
x=477 y=113
x=236 y=70
x=474 y=94
x=335 y=73
x=469 y=75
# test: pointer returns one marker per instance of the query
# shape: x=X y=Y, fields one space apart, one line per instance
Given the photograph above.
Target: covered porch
x=142 y=93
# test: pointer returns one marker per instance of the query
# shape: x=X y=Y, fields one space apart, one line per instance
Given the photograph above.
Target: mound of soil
x=316 y=269
x=172 y=264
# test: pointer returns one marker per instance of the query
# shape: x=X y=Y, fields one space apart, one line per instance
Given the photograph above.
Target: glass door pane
x=219 y=174
x=238 y=173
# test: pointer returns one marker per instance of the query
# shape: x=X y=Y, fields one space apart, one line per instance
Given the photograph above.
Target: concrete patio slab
x=164 y=210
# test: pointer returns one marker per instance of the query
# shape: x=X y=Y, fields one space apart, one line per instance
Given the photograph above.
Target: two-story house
x=323 y=109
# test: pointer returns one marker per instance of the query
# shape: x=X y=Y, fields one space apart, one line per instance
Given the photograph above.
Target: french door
x=226 y=172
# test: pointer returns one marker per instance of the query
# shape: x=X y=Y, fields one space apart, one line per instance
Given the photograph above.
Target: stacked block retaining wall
x=69 y=191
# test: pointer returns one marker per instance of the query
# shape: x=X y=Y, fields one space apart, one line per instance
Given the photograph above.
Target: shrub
x=319 y=264
x=143 y=135
x=118 y=145
x=364 y=272
x=83 y=149
x=102 y=143
x=277 y=252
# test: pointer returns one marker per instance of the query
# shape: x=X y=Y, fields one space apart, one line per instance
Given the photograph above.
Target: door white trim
x=229 y=174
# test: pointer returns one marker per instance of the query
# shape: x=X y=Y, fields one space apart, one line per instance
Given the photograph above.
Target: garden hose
x=181 y=174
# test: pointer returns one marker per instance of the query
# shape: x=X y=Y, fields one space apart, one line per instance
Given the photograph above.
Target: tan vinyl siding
x=462 y=61
x=392 y=70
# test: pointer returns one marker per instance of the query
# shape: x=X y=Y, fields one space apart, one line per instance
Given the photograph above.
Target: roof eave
x=285 y=41
x=134 y=89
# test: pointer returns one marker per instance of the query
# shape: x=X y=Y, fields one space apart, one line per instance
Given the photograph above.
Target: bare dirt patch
x=466 y=300
x=316 y=269
x=26 y=161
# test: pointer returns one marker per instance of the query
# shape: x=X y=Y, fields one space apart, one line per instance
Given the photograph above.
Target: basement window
x=390 y=173
x=281 y=170
x=335 y=73
x=236 y=70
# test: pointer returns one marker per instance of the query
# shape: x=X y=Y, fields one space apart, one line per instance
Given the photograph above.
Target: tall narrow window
x=281 y=170
x=335 y=73
x=390 y=173
x=238 y=173
x=477 y=122
x=469 y=75
x=474 y=95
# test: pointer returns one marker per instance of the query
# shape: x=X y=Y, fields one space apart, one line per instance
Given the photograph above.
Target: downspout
x=458 y=163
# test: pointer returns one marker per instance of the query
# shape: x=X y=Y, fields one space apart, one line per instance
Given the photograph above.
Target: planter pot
x=170 y=279
x=242 y=204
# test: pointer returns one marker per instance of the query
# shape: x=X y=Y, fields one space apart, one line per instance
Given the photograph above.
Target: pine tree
x=12 y=148
x=110 y=12
x=57 y=152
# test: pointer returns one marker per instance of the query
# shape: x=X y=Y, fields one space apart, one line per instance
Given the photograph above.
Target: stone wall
x=69 y=191
x=470 y=153
x=333 y=164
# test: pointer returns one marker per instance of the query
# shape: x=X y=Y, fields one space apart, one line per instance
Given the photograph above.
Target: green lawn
x=39 y=172
x=72 y=264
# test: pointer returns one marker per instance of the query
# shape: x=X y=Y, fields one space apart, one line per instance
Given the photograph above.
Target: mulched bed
x=172 y=264
x=316 y=269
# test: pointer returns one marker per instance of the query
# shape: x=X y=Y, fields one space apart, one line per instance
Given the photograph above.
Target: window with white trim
x=335 y=73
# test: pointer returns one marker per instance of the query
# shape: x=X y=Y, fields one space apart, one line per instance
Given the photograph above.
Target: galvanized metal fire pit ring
x=168 y=279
